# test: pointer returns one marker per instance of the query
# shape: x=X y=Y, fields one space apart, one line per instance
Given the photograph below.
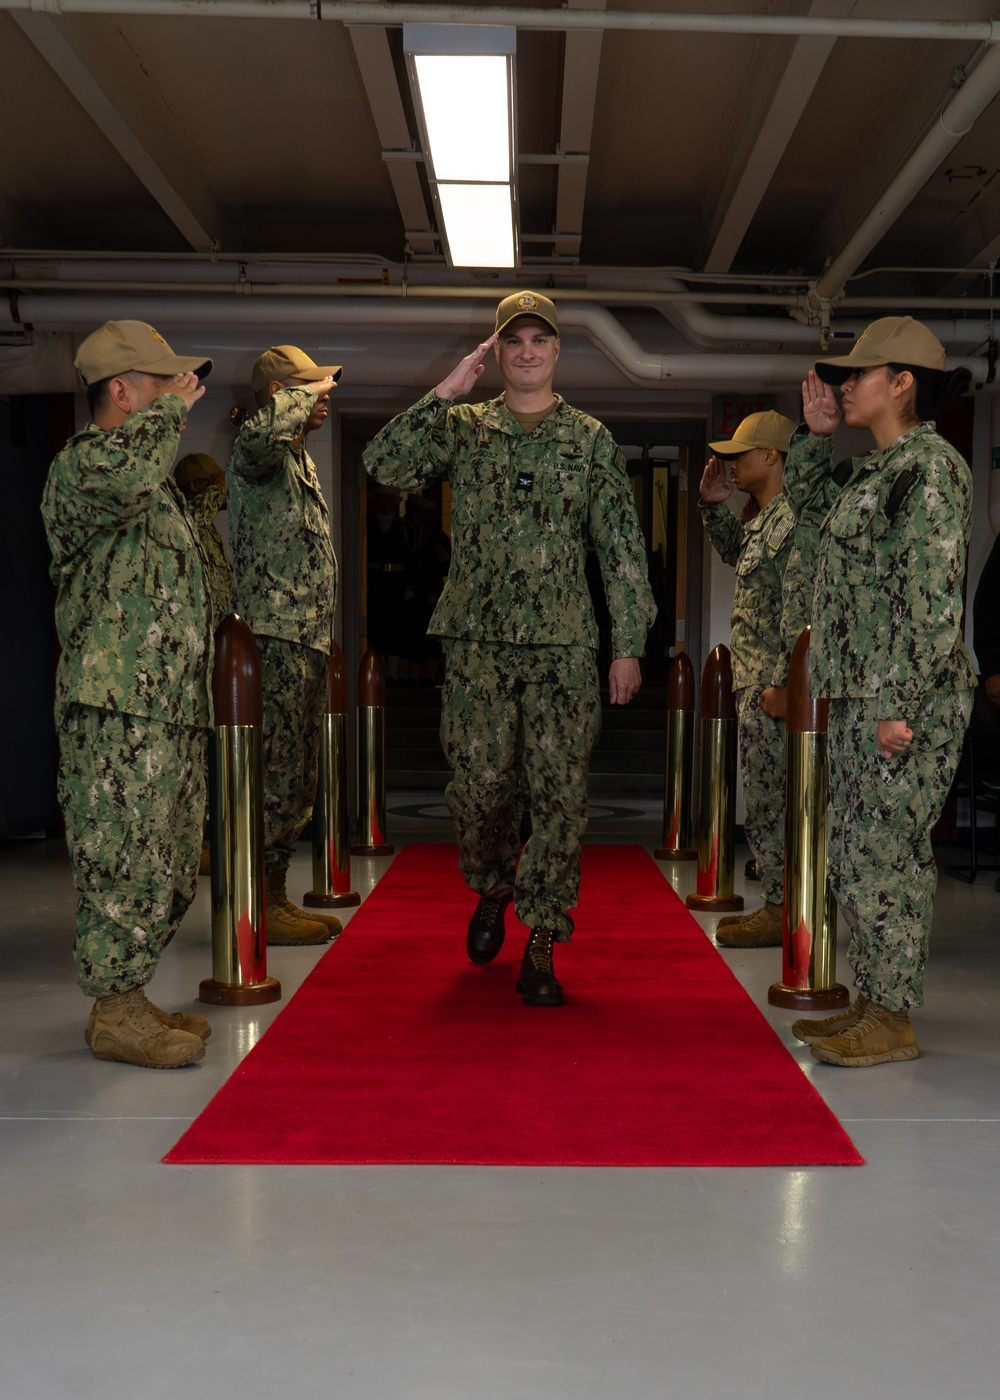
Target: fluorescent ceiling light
x=480 y=224
x=462 y=76
x=465 y=114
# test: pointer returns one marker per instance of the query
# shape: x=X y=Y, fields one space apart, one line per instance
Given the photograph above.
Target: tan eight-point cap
x=892 y=340
x=768 y=429
x=289 y=362
x=123 y=345
x=527 y=304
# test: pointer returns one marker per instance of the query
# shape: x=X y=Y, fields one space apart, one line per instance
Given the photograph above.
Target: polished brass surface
x=677 y=821
x=810 y=942
x=331 y=860
x=716 y=820
x=809 y=939
x=239 y=937
x=371 y=782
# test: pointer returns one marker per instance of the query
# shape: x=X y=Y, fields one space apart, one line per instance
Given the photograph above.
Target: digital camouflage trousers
x=508 y=710
x=882 y=811
x=132 y=792
x=762 y=766
x=294 y=679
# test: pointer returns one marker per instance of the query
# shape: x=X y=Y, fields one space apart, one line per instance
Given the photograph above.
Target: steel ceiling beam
x=755 y=167
x=378 y=77
x=581 y=65
x=147 y=141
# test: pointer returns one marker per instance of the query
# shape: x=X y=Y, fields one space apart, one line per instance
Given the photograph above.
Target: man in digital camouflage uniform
x=286 y=586
x=761 y=647
x=133 y=703
x=531 y=480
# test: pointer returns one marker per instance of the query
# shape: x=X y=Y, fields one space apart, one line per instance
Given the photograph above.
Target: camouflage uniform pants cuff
x=561 y=923
x=113 y=989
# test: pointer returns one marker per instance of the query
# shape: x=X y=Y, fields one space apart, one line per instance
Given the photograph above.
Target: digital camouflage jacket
x=279 y=527
x=203 y=509
x=132 y=611
x=524 y=506
x=887 y=605
x=759 y=551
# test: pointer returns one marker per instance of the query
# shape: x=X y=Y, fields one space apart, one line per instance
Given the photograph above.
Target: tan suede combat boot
x=329 y=921
x=878 y=1037
x=812 y=1031
x=188 y=1021
x=287 y=925
x=761 y=929
x=124 y=1028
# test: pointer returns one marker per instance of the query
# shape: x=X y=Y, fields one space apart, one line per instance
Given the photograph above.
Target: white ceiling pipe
x=706 y=328
x=309 y=275
x=82 y=313
x=701 y=328
x=70 y=266
x=188 y=9
x=985 y=31
x=684 y=308
x=528 y=17
x=710 y=325
x=972 y=99
x=28 y=265
x=642 y=367
x=389 y=291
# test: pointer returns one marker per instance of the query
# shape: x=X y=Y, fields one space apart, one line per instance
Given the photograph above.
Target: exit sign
x=728 y=413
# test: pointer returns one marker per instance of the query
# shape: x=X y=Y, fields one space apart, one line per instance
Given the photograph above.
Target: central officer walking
x=532 y=480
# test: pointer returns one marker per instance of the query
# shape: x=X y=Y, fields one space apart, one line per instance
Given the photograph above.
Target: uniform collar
x=499 y=417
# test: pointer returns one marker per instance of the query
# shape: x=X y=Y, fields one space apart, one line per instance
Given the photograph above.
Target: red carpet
x=397 y=1049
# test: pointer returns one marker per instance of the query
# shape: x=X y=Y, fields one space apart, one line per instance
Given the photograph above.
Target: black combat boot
x=537 y=982
x=486 y=927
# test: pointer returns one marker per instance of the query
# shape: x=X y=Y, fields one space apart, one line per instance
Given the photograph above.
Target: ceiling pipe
x=710 y=325
x=958 y=117
x=683 y=307
x=530 y=17
x=706 y=328
x=36 y=270
x=664 y=290
x=640 y=366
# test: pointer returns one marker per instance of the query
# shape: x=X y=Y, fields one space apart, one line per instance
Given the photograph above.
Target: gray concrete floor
x=124 y=1278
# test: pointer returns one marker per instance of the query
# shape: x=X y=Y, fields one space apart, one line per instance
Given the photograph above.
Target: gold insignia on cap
x=157 y=336
x=527 y=301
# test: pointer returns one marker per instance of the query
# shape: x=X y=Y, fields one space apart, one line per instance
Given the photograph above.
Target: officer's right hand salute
x=186 y=386
x=715 y=485
x=465 y=373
